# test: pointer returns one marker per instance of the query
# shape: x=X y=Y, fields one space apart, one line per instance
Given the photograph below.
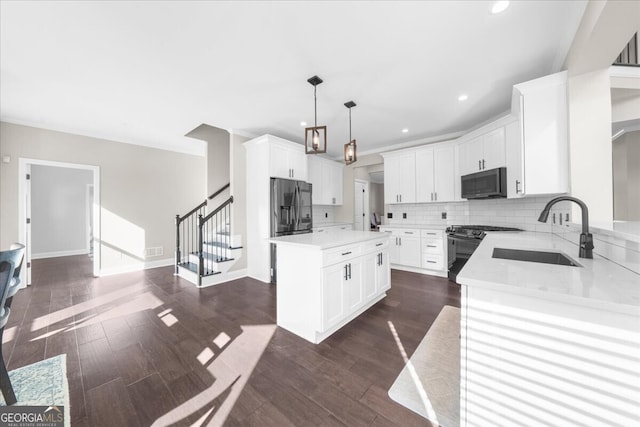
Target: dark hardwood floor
x=149 y=346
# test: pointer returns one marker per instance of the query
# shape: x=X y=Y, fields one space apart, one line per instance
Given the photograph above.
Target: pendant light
x=350 y=147
x=315 y=138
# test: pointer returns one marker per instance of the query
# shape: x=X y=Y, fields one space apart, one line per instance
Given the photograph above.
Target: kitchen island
x=546 y=344
x=325 y=280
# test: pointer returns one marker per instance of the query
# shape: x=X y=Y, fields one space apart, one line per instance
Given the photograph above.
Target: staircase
x=205 y=246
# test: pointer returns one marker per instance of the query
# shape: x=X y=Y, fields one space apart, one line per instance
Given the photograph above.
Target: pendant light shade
x=350 y=155
x=315 y=138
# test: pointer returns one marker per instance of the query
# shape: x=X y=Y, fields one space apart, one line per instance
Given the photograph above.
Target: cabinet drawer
x=432 y=234
x=432 y=246
x=341 y=254
x=376 y=244
x=432 y=262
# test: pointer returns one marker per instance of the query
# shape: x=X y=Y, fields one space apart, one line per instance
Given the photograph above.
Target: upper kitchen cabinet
x=485 y=151
x=435 y=174
x=326 y=176
x=400 y=177
x=287 y=159
x=537 y=142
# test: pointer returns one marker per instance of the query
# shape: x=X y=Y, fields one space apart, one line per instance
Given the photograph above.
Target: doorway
x=25 y=210
x=361 y=206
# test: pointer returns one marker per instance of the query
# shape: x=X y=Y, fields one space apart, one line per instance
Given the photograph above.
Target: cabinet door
x=391 y=180
x=470 y=156
x=315 y=178
x=493 y=149
x=279 y=161
x=353 y=285
x=410 y=250
x=545 y=140
x=407 y=183
x=298 y=164
x=333 y=304
x=425 y=175
x=383 y=274
x=513 y=150
x=444 y=175
x=369 y=275
x=395 y=249
x=338 y=183
x=327 y=182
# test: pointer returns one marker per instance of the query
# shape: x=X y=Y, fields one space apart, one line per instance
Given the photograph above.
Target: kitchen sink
x=534 y=256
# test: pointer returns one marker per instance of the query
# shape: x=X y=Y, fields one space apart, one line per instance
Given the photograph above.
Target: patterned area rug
x=429 y=384
x=41 y=384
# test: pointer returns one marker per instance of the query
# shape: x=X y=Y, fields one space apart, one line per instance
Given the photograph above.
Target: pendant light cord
x=315 y=108
x=350 y=124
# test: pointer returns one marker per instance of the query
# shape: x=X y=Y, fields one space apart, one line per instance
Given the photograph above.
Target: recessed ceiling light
x=499 y=6
x=303 y=123
x=405 y=130
x=463 y=97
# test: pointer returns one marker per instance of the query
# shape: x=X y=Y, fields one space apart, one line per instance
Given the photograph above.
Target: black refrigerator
x=291 y=212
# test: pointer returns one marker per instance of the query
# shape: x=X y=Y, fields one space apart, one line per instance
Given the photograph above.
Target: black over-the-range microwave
x=485 y=184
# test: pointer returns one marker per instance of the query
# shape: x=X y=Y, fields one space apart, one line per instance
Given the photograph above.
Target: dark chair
x=9 y=281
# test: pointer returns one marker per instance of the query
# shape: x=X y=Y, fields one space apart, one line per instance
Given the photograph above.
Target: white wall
x=59 y=211
x=376 y=198
x=142 y=190
x=238 y=189
x=626 y=177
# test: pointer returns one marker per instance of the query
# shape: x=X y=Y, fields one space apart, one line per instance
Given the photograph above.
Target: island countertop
x=328 y=240
x=598 y=282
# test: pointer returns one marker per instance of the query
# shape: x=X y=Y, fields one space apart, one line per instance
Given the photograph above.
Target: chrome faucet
x=586 y=239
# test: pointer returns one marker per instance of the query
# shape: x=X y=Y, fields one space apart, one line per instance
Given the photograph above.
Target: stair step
x=194 y=269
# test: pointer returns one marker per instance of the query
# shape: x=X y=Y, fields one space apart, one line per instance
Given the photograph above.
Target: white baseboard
x=57 y=254
x=138 y=266
x=223 y=278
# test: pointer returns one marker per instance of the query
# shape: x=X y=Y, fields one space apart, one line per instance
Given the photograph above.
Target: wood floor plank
x=97 y=362
x=110 y=405
x=151 y=398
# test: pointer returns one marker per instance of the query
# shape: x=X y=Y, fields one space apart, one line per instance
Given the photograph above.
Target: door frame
x=366 y=209
x=24 y=165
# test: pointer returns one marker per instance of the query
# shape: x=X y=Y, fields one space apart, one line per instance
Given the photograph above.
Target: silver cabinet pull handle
x=379 y=244
x=346 y=253
x=479 y=164
x=517 y=185
x=482 y=163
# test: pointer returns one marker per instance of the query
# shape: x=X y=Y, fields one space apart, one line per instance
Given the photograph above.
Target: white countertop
x=328 y=240
x=599 y=283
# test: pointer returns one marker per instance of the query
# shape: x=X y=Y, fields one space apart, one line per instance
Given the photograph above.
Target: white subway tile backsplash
x=323 y=214
x=522 y=213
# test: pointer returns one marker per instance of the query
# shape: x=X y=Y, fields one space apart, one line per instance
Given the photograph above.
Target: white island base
x=326 y=280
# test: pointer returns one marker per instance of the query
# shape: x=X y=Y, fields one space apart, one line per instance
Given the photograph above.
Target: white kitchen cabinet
x=537 y=142
x=340 y=282
x=435 y=174
x=486 y=151
x=405 y=247
x=287 y=160
x=400 y=177
x=326 y=176
x=433 y=250
x=267 y=156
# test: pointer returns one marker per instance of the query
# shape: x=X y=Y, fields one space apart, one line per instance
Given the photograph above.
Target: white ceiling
x=150 y=72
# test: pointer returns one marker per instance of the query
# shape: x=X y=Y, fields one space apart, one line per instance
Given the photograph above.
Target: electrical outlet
x=444 y=215
x=326 y=214
x=389 y=215
x=404 y=216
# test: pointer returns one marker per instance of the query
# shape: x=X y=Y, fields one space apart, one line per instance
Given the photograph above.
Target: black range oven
x=462 y=240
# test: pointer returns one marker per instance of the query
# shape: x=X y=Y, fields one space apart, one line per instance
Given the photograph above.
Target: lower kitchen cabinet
x=405 y=247
x=419 y=250
x=321 y=290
